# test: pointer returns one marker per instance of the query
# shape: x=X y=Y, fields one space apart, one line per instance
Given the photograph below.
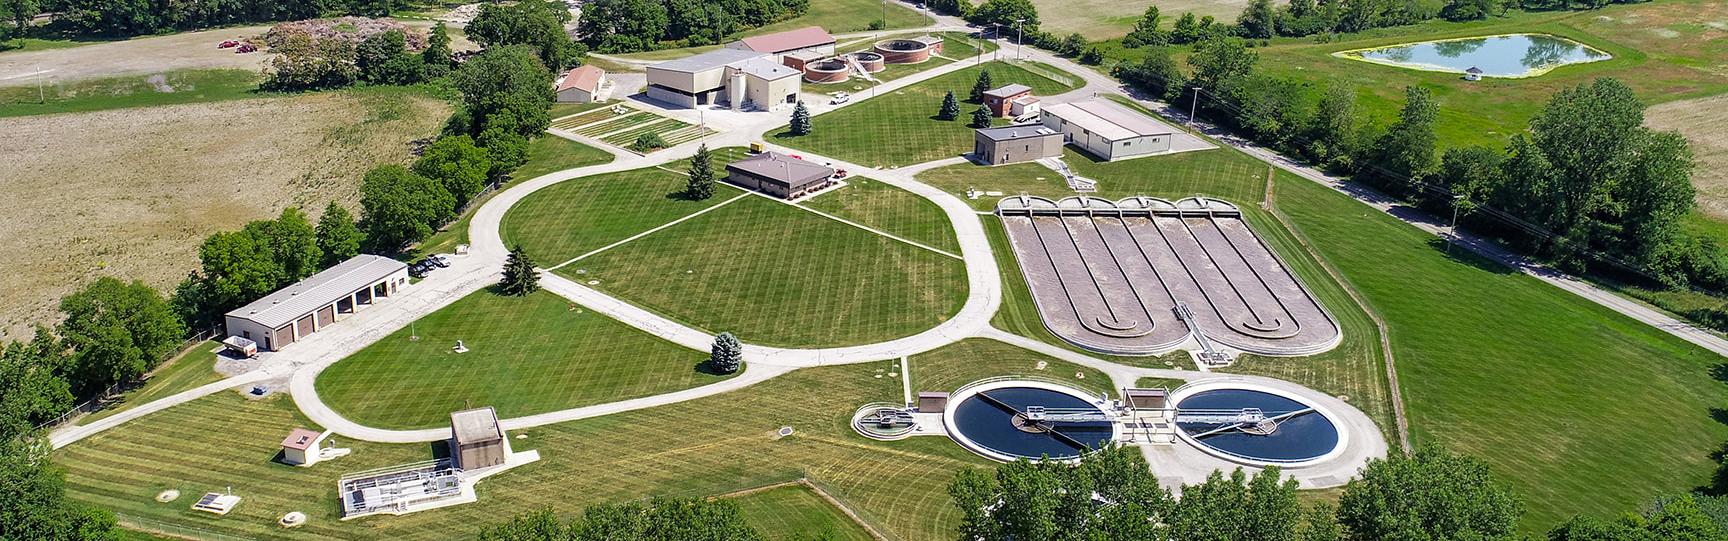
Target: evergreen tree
x=983 y=85
x=338 y=238
x=800 y=120
x=438 y=55
x=519 y=276
x=727 y=355
x=701 y=185
x=950 y=107
x=981 y=117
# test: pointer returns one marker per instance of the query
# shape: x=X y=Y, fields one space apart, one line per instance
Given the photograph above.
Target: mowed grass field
x=697 y=448
x=776 y=275
x=1220 y=173
x=526 y=355
x=901 y=129
x=189 y=370
x=580 y=215
x=166 y=88
x=782 y=512
x=132 y=192
x=840 y=16
x=889 y=209
x=1581 y=409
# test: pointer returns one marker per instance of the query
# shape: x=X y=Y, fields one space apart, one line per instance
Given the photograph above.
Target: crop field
x=776 y=275
x=1105 y=19
x=526 y=355
x=901 y=129
x=146 y=185
x=1701 y=121
x=1475 y=379
x=580 y=215
x=889 y=209
x=683 y=450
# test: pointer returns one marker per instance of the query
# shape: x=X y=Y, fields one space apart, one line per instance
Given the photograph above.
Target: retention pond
x=1513 y=55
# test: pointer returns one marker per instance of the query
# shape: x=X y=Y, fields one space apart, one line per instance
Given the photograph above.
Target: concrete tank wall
x=826 y=71
x=903 y=51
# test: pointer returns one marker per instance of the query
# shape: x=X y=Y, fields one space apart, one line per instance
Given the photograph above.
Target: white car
x=841 y=97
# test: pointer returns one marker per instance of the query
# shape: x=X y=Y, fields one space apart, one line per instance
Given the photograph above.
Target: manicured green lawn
x=194 y=368
x=889 y=209
x=947 y=368
x=546 y=154
x=777 y=275
x=900 y=129
x=526 y=355
x=1581 y=409
x=579 y=215
x=1224 y=174
x=561 y=110
x=190 y=86
x=782 y=512
x=698 y=448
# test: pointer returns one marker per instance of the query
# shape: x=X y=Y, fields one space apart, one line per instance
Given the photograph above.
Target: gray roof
x=476 y=425
x=781 y=169
x=1108 y=119
x=1008 y=90
x=765 y=68
x=1020 y=131
x=714 y=59
x=319 y=290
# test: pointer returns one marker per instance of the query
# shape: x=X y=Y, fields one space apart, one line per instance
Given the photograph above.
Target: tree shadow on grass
x=706 y=370
x=1460 y=254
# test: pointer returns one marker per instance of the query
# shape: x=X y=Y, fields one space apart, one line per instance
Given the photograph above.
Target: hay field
x=1701 y=121
x=131 y=193
x=1105 y=19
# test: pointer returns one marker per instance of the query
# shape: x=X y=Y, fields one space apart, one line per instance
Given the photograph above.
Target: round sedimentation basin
x=871 y=62
x=826 y=71
x=903 y=51
x=1302 y=439
x=988 y=419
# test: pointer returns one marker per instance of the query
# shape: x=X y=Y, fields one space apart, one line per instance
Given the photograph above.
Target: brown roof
x=809 y=36
x=300 y=439
x=780 y=168
x=585 y=77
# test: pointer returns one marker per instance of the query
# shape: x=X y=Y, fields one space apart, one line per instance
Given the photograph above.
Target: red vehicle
x=228 y=44
x=840 y=173
x=247 y=48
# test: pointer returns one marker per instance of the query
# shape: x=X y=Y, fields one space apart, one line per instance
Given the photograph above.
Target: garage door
x=305 y=324
x=326 y=316
x=284 y=336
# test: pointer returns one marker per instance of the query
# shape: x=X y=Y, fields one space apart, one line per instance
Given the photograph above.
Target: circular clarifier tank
x=993 y=420
x=1257 y=426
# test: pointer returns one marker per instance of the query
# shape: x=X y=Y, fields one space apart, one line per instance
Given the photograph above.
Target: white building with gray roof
x=289 y=314
x=1108 y=130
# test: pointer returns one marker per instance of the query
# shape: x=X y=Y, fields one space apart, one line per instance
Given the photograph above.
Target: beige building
x=767 y=86
x=295 y=312
x=740 y=78
x=476 y=439
x=582 y=84
x=778 y=175
x=1015 y=144
x=297 y=444
x=1108 y=130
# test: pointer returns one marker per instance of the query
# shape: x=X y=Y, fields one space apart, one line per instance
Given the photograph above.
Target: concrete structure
x=797 y=60
x=737 y=77
x=932 y=402
x=1023 y=106
x=808 y=39
x=1108 y=130
x=581 y=85
x=778 y=175
x=293 y=312
x=833 y=70
x=997 y=99
x=909 y=51
x=694 y=80
x=1015 y=144
x=477 y=440
x=296 y=446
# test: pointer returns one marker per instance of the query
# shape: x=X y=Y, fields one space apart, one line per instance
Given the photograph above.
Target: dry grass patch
x=1105 y=19
x=1701 y=121
x=132 y=192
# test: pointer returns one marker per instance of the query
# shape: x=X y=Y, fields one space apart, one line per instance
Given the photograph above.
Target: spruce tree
x=800 y=119
x=519 y=276
x=950 y=107
x=701 y=185
x=981 y=117
x=983 y=85
x=727 y=354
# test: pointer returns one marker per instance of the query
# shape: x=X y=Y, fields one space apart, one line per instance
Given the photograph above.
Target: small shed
x=581 y=84
x=1147 y=399
x=477 y=440
x=299 y=444
x=1023 y=106
x=1473 y=74
x=932 y=402
x=1000 y=99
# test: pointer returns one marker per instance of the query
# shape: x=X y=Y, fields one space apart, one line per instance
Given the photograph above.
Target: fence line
x=1046 y=72
x=102 y=398
x=170 y=529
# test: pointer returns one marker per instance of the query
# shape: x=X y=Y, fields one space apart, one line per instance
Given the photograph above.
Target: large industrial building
x=810 y=39
x=295 y=312
x=1015 y=144
x=742 y=78
x=1108 y=130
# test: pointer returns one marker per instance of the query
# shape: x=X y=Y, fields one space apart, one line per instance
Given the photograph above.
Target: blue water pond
x=1516 y=55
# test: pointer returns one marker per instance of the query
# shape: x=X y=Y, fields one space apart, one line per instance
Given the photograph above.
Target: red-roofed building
x=299 y=441
x=809 y=38
x=581 y=85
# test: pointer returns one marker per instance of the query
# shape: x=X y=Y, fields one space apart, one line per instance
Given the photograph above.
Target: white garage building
x=294 y=312
x=1108 y=130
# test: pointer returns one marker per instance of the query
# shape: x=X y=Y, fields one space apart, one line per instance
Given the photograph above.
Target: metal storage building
x=1108 y=130
x=809 y=38
x=695 y=80
x=294 y=312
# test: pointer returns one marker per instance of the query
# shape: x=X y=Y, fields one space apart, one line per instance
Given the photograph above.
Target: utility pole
x=1454 y=239
x=1020 y=24
x=1193 y=106
x=996 y=34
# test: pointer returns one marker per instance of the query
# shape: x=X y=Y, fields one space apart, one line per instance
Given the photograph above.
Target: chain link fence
x=169 y=529
x=102 y=399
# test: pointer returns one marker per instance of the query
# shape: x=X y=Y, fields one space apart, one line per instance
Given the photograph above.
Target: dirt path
x=136 y=56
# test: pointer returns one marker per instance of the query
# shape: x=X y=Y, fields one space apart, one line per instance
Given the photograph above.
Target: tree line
x=120 y=18
x=661 y=519
x=624 y=26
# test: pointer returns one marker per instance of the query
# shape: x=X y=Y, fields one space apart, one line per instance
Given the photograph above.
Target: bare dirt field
x=1105 y=19
x=131 y=193
x=1701 y=121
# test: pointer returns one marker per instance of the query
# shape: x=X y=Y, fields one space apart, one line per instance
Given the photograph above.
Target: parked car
x=418 y=270
x=246 y=48
x=920 y=5
x=228 y=44
x=439 y=260
x=840 y=173
x=841 y=97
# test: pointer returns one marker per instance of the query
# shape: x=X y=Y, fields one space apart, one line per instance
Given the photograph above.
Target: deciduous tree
x=116 y=331
x=400 y=207
x=457 y=164
x=338 y=238
x=1433 y=494
x=506 y=87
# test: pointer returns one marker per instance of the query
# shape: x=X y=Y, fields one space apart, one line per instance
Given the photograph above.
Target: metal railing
x=170 y=529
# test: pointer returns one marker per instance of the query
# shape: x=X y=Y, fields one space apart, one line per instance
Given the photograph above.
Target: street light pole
x=1193 y=106
x=1020 y=24
x=1454 y=228
x=996 y=34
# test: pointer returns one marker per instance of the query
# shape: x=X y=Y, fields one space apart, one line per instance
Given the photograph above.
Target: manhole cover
x=168 y=496
x=593 y=282
x=785 y=431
